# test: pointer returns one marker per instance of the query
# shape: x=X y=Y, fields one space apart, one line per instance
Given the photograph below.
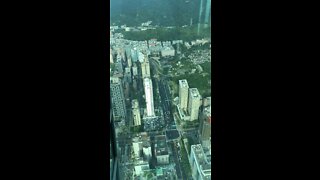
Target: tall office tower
x=127 y=75
x=117 y=97
x=146 y=60
x=146 y=149
x=136 y=113
x=161 y=149
x=119 y=65
x=129 y=61
x=205 y=125
x=134 y=55
x=134 y=70
x=134 y=84
x=194 y=103
x=200 y=163
x=139 y=142
x=111 y=57
x=206 y=101
x=183 y=94
x=145 y=68
x=147 y=83
x=137 y=146
x=122 y=54
x=128 y=51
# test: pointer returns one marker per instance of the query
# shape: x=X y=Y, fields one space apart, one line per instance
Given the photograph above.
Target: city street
x=176 y=156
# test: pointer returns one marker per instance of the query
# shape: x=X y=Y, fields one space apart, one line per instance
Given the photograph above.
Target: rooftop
x=201 y=158
x=135 y=104
x=194 y=92
x=142 y=137
x=184 y=83
x=161 y=145
x=114 y=80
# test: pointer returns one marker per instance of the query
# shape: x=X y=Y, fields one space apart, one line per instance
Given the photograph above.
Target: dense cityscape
x=160 y=113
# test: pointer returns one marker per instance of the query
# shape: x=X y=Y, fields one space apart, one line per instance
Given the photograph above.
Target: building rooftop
x=183 y=83
x=161 y=145
x=207 y=111
x=194 y=92
x=202 y=159
x=142 y=137
x=135 y=104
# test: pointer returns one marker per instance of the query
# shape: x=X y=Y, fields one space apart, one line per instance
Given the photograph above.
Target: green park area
x=188 y=33
x=185 y=165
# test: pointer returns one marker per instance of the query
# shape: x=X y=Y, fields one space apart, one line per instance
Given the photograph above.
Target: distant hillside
x=161 y=12
x=162 y=34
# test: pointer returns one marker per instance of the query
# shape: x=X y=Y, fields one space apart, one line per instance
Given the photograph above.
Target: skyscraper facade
x=145 y=68
x=205 y=125
x=200 y=163
x=183 y=94
x=136 y=113
x=147 y=83
x=117 y=97
x=111 y=57
x=194 y=103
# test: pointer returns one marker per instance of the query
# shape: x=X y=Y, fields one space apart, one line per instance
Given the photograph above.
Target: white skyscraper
x=145 y=68
x=149 y=96
x=194 y=103
x=147 y=153
x=200 y=163
x=134 y=70
x=136 y=112
x=183 y=94
x=137 y=146
x=111 y=57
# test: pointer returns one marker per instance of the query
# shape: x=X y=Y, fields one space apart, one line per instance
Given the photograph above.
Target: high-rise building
x=136 y=113
x=145 y=68
x=205 y=125
x=206 y=129
x=183 y=94
x=206 y=101
x=147 y=83
x=146 y=149
x=141 y=143
x=134 y=55
x=129 y=61
x=127 y=75
x=111 y=57
x=137 y=146
x=161 y=149
x=200 y=163
x=134 y=70
x=194 y=103
x=117 y=97
x=119 y=65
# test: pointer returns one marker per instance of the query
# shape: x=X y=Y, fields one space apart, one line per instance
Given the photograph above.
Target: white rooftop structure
x=149 y=96
x=200 y=164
